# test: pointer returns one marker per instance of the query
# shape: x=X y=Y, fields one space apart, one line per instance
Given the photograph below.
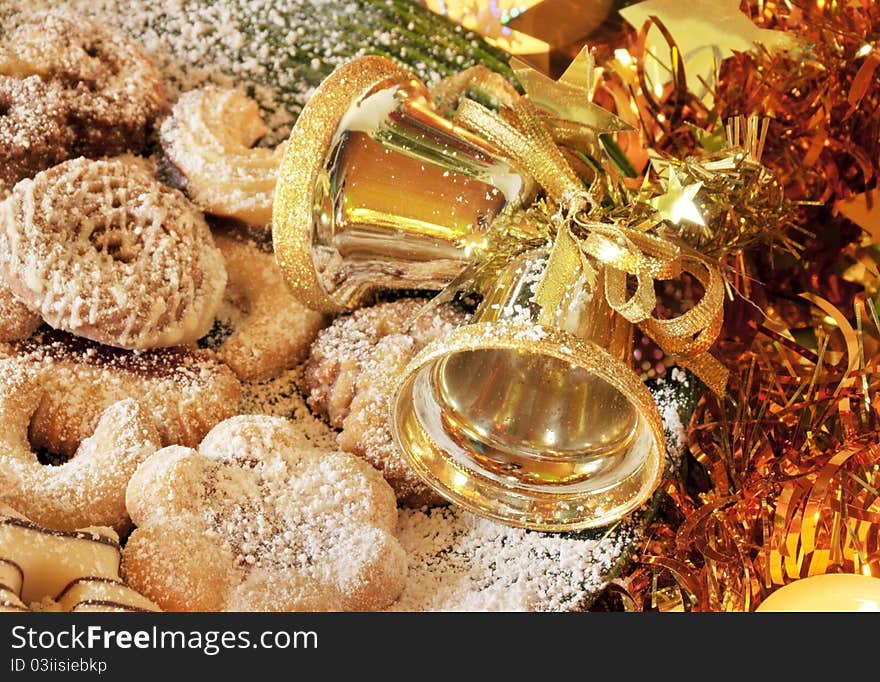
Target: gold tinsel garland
x=792 y=489
x=786 y=470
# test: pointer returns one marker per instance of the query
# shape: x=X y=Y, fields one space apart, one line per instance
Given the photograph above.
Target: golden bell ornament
x=378 y=192
x=533 y=420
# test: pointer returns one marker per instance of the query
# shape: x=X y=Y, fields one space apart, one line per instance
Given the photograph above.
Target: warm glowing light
x=830 y=592
x=490 y=19
x=678 y=202
x=459 y=480
x=622 y=55
x=864 y=50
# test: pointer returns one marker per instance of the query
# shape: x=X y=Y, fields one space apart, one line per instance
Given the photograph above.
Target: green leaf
x=617 y=156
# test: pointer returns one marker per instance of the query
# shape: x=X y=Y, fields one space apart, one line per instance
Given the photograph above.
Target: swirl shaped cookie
x=255 y=521
x=271 y=329
x=113 y=93
x=209 y=145
x=352 y=373
x=102 y=249
x=366 y=429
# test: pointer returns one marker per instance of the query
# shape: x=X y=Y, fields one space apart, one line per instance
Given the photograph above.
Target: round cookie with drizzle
x=104 y=250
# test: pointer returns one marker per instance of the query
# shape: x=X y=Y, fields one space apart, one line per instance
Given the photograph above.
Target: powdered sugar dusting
x=290 y=528
x=461 y=562
x=274 y=50
x=282 y=396
x=674 y=396
x=337 y=355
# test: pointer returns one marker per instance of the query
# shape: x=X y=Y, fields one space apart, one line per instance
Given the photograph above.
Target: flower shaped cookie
x=256 y=520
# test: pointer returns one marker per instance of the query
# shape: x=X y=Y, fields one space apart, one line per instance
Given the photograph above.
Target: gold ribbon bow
x=528 y=136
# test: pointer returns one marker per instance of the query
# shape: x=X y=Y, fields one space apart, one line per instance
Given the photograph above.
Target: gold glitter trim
x=535 y=509
x=303 y=161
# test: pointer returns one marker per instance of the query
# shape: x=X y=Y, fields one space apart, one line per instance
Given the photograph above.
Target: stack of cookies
x=139 y=297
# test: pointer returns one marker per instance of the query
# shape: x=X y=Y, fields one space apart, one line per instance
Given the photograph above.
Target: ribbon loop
x=520 y=135
x=526 y=135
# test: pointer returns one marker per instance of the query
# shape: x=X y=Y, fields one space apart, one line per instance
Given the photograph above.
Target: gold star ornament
x=569 y=97
x=678 y=203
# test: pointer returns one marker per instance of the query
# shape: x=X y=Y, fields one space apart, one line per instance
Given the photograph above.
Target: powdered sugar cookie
x=17 y=321
x=43 y=569
x=113 y=94
x=209 y=146
x=254 y=522
x=352 y=372
x=104 y=250
x=338 y=352
x=87 y=490
x=186 y=391
x=366 y=431
x=271 y=329
x=34 y=129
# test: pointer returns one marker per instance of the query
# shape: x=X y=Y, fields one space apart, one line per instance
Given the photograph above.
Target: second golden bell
x=378 y=192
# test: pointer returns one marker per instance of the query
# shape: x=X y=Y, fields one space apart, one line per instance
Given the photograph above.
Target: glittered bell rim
x=535 y=428
x=378 y=192
x=533 y=420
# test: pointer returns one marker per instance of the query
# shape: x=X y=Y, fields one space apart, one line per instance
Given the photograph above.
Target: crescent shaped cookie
x=273 y=330
x=89 y=488
x=17 y=321
x=185 y=390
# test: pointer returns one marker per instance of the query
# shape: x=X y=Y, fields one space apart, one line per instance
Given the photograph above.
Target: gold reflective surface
x=537 y=419
x=385 y=220
x=543 y=427
x=377 y=191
